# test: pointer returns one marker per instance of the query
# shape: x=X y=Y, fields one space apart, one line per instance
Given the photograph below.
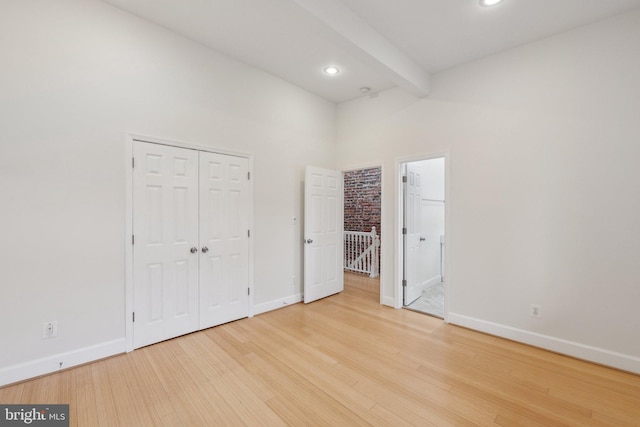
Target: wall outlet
x=535 y=311
x=49 y=329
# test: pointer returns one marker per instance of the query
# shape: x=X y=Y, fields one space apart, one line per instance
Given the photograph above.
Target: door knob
x=205 y=249
x=194 y=250
x=309 y=241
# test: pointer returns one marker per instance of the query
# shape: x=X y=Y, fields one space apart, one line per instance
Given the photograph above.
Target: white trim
x=128 y=141
x=50 y=364
x=382 y=273
x=388 y=301
x=397 y=235
x=252 y=238
x=429 y=283
x=570 y=348
x=128 y=247
x=363 y=166
x=130 y=137
x=276 y=304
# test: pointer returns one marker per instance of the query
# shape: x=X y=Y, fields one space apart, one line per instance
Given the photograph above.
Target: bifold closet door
x=224 y=238
x=165 y=250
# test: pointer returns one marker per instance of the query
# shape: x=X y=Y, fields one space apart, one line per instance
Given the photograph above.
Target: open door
x=323 y=233
x=411 y=232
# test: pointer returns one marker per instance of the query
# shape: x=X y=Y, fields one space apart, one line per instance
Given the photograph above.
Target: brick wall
x=362 y=204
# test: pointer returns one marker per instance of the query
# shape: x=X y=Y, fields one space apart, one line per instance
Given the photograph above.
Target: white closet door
x=224 y=240
x=165 y=226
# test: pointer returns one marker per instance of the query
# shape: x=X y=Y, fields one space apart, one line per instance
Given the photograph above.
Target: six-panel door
x=224 y=224
x=323 y=231
x=190 y=257
x=165 y=225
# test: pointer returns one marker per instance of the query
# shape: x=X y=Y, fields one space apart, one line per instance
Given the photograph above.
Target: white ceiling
x=376 y=43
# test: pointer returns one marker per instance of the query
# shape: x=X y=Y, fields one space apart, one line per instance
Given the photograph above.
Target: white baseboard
x=601 y=356
x=429 y=283
x=276 y=304
x=57 y=362
x=389 y=301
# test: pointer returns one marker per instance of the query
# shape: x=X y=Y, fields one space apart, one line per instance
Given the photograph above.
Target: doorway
x=423 y=236
x=362 y=229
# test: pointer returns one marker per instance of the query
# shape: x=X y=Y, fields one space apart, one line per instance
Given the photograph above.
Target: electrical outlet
x=49 y=329
x=535 y=311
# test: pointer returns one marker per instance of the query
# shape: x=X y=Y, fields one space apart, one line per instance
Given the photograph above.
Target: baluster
x=344 y=249
x=367 y=262
x=353 y=249
x=359 y=252
x=355 y=252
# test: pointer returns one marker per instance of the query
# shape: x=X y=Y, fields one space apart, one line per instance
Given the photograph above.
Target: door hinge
x=133 y=316
x=404 y=283
x=133 y=239
x=133 y=162
x=404 y=230
x=248 y=175
x=248 y=233
x=404 y=178
x=248 y=291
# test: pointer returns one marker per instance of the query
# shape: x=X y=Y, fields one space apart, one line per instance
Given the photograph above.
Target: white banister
x=361 y=251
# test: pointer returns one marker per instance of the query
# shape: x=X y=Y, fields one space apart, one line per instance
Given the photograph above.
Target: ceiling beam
x=369 y=45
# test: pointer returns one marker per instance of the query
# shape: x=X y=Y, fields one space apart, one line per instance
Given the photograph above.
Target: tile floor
x=431 y=301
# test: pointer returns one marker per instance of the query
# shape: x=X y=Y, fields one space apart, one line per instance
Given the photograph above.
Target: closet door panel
x=165 y=226
x=224 y=226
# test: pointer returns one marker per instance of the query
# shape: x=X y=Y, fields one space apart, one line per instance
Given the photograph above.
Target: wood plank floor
x=341 y=361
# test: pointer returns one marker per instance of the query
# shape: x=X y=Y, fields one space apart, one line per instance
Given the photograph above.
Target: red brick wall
x=362 y=201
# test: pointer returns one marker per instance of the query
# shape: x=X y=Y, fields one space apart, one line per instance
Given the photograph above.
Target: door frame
x=398 y=224
x=129 y=140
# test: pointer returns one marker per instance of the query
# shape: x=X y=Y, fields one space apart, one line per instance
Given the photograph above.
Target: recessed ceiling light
x=365 y=89
x=488 y=3
x=331 y=70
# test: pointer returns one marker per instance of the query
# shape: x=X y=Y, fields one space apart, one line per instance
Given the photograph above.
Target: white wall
x=75 y=76
x=543 y=145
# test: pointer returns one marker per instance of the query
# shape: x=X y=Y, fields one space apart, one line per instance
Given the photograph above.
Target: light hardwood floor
x=341 y=361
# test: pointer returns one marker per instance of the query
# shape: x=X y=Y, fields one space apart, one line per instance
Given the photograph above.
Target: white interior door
x=411 y=233
x=165 y=226
x=323 y=233
x=224 y=240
